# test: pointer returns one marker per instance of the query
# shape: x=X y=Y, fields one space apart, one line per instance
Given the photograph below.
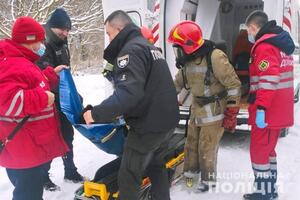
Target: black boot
x=258 y=196
x=275 y=195
x=74 y=177
x=264 y=189
x=204 y=186
x=274 y=192
x=71 y=173
x=50 y=186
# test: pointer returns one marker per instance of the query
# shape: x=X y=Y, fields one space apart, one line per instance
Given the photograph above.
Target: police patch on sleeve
x=263 y=65
x=123 y=61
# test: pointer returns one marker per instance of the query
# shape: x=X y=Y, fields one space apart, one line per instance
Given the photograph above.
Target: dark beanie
x=60 y=19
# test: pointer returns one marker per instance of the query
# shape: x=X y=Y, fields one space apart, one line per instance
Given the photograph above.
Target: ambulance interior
x=229 y=27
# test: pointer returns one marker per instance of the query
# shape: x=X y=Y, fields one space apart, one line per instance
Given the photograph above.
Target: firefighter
x=215 y=88
x=270 y=100
x=146 y=97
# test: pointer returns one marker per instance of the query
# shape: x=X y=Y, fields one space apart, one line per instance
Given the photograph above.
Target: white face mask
x=41 y=50
x=251 y=38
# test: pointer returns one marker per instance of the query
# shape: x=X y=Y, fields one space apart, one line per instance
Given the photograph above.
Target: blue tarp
x=107 y=137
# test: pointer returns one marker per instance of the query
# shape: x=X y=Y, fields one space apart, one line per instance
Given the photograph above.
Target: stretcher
x=110 y=138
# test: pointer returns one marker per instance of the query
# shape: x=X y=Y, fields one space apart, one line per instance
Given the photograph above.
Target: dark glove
x=81 y=119
x=230 y=121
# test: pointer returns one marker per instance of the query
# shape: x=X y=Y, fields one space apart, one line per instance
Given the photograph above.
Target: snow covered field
x=234 y=167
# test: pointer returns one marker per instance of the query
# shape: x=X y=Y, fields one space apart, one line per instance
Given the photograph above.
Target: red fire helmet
x=188 y=35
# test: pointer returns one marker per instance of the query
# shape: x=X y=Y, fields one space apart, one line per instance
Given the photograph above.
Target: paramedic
x=25 y=92
x=271 y=99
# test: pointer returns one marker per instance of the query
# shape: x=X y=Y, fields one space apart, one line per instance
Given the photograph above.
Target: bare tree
x=87 y=24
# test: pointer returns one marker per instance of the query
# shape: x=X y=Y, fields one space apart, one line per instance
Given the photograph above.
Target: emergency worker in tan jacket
x=206 y=72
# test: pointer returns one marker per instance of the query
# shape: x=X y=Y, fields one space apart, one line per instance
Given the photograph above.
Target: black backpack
x=221 y=45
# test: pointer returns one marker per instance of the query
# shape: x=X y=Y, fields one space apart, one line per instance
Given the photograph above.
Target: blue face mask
x=41 y=50
x=251 y=38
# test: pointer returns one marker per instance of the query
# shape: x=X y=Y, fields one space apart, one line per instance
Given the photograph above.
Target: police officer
x=146 y=97
x=215 y=88
x=271 y=104
x=57 y=53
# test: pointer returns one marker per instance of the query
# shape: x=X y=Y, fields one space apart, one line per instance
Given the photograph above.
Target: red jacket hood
x=9 y=49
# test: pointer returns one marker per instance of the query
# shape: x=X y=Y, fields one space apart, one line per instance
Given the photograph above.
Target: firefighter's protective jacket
x=223 y=78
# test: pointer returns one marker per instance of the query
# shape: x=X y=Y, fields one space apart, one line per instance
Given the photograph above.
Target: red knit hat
x=27 y=30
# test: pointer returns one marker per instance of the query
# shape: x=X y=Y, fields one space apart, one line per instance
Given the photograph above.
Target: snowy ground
x=235 y=175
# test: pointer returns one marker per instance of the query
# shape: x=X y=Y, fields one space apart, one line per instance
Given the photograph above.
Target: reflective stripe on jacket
x=23 y=87
x=271 y=82
x=223 y=78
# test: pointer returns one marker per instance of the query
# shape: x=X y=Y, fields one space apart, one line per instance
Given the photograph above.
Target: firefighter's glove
x=260 y=119
x=230 y=121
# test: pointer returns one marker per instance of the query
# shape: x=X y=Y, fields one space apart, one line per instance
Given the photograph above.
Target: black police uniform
x=145 y=96
x=57 y=53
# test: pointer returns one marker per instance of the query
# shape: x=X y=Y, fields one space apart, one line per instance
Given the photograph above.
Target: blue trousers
x=28 y=183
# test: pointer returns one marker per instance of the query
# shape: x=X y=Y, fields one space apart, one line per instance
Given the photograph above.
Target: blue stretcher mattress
x=107 y=137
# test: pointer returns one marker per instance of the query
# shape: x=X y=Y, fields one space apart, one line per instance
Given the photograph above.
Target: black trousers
x=28 y=183
x=68 y=135
x=144 y=155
